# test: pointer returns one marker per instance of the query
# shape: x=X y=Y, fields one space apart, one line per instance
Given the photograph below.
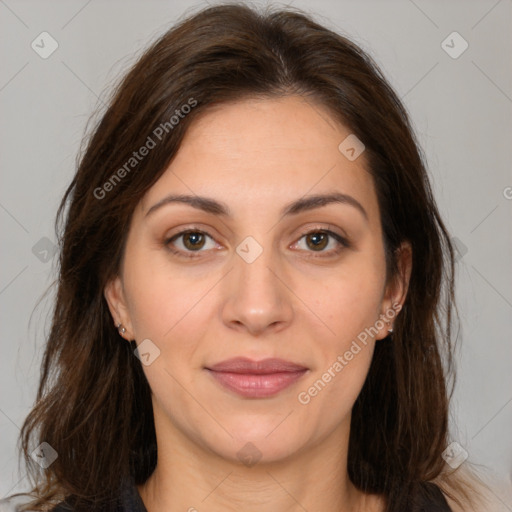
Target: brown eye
x=317 y=241
x=322 y=241
x=190 y=241
x=193 y=240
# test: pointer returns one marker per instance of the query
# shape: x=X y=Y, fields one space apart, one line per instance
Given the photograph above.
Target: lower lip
x=257 y=386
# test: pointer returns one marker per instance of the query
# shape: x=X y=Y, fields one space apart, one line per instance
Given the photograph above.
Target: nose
x=257 y=299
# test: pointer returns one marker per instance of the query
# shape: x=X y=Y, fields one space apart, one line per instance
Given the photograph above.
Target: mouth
x=256 y=379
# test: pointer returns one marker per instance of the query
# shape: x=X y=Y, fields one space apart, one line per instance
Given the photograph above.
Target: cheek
x=349 y=307
x=344 y=353
x=174 y=311
x=327 y=399
x=161 y=301
x=348 y=300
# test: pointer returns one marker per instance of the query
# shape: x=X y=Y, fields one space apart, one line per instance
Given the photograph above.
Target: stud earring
x=121 y=329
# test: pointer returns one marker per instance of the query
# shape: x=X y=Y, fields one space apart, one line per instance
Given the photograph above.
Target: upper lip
x=245 y=365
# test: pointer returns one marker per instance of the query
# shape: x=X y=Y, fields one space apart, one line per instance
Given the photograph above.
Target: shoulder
x=21 y=503
x=466 y=491
x=428 y=496
x=419 y=497
x=486 y=500
x=126 y=499
x=15 y=505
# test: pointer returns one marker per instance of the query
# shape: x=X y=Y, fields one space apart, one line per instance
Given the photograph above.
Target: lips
x=248 y=366
x=256 y=379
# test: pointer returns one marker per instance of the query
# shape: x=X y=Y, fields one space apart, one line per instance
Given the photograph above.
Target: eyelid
x=342 y=240
x=167 y=242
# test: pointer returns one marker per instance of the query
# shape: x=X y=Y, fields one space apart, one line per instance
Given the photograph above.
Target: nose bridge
x=257 y=298
x=253 y=262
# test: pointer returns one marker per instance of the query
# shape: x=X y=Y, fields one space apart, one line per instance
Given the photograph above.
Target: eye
x=321 y=239
x=190 y=241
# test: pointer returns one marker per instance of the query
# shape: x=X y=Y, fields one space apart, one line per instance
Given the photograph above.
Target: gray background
x=461 y=109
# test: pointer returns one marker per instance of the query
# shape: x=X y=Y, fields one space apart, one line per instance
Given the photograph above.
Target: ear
x=396 y=290
x=116 y=300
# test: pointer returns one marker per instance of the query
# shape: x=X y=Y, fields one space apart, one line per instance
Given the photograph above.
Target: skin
x=294 y=302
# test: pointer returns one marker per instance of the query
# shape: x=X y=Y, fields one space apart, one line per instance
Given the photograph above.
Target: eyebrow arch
x=316 y=201
x=305 y=203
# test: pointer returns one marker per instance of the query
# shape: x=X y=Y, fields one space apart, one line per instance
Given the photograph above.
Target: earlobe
x=115 y=296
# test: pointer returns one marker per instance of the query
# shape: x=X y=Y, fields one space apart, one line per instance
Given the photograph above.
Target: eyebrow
x=303 y=204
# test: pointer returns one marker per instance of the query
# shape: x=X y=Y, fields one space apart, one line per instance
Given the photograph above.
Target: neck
x=193 y=478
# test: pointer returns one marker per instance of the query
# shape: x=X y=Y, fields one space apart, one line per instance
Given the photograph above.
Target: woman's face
x=262 y=273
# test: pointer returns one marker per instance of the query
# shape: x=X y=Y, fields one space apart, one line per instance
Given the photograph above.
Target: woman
x=256 y=288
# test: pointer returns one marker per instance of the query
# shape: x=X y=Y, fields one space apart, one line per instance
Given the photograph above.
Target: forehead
x=265 y=150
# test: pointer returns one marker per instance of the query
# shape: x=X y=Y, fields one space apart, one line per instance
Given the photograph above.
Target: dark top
x=427 y=497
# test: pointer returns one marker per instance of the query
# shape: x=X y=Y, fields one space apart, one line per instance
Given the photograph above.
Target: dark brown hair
x=93 y=404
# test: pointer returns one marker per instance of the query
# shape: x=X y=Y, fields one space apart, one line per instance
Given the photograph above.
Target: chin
x=264 y=442
x=251 y=452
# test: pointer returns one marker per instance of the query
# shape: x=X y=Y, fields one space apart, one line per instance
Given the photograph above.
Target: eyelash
x=343 y=243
